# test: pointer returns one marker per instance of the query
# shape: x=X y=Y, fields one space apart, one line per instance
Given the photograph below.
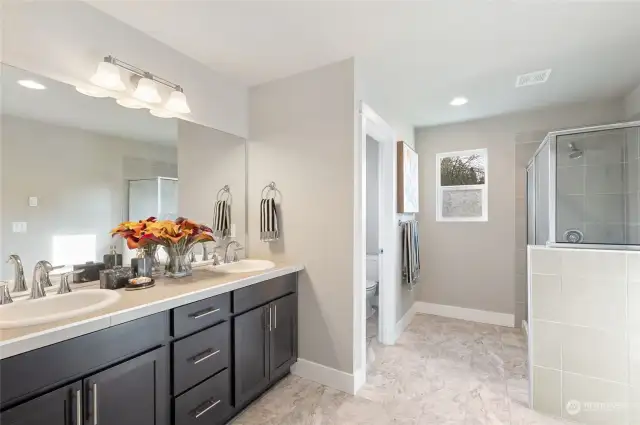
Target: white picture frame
x=463 y=202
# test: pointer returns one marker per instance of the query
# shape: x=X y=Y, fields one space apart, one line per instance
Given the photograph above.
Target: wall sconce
x=146 y=93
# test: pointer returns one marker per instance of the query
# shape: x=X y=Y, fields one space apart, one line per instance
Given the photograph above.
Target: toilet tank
x=372 y=267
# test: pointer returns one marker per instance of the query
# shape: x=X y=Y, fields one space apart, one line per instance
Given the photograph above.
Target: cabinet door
x=59 y=407
x=251 y=354
x=131 y=393
x=284 y=334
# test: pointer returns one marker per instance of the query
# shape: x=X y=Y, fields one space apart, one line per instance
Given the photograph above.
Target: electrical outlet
x=19 y=227
x=33 y=201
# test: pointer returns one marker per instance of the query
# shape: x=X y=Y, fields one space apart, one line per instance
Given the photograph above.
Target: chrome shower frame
x=552 y=140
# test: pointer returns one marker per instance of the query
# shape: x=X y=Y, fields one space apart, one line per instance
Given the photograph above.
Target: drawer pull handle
x=95 y=404
x=212 y=404
x=78 y=407
x=207 y=354
x=204 y=313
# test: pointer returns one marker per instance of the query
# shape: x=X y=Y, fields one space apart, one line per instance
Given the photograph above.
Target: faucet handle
x=64 y=281
x=5 y=297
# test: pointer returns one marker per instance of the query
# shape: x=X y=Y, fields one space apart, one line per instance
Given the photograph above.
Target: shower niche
x=583 y=187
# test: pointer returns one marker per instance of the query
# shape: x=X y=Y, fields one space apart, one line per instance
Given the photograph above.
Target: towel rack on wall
x=270 y=189
x=224 y=194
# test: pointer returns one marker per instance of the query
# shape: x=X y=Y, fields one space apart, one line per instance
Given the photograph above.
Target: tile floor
x=441 y=372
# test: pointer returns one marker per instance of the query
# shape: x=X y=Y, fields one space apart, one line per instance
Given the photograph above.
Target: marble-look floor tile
x=440 y=372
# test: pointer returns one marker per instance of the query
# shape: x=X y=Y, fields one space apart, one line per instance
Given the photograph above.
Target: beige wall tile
x=599 y=303
x=547 y=344
x=595 y=353
x=546 y=298
x=634 y=361
x=594 y=264
x=599 y=402
x=546 y=261
x=633 y=306
x=547 y=396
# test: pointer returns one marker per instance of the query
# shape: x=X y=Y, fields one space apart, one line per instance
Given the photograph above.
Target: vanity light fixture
x=30 y=84
x=459 y=101
x=107 y=76
x=146 y=92
x=130 y=103
x=178 y=102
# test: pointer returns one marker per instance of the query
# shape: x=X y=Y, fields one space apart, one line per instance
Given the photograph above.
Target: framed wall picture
x=408 y=194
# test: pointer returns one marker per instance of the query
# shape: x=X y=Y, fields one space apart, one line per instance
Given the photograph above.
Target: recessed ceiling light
x=30 y=84
x=458 y=101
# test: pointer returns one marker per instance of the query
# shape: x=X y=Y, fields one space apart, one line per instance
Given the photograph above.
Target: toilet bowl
x=372 y=284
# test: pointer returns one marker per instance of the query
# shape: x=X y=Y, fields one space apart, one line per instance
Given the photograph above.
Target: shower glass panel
x=587 y=187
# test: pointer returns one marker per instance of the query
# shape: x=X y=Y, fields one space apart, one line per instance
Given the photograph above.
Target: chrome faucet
x=40 y=279
x=64 y=281
x=235 y=252
x=19 y=282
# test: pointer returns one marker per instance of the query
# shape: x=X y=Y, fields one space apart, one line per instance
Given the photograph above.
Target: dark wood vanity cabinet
x=59 y=407
x=199 y=363
x=265 y=346
x=132 y=392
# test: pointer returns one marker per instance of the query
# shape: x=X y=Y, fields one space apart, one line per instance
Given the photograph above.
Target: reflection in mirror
x=69 y=166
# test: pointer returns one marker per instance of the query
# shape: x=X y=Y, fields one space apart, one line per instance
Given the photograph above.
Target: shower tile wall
x=632 y=170
x=591 y=190
x=524 y=152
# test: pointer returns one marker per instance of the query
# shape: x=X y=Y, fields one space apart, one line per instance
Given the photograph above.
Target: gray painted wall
x=79 y=178
x=301 y=136
x=208 y=159
x=372 y=196
x=473 y=265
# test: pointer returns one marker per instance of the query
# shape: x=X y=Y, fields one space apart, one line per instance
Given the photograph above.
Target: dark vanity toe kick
x=209 y=402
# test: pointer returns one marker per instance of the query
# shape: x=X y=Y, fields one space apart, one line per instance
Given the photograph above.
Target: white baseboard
x=405 y=321
x=328 y=376
x=480 y=316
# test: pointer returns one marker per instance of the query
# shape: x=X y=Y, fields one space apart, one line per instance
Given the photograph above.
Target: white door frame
x=374 y=126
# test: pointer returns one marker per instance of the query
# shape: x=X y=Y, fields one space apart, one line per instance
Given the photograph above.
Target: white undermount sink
x=244 y=266
x=55 y=307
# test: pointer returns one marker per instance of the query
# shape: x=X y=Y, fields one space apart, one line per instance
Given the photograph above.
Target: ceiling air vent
x=532 y=78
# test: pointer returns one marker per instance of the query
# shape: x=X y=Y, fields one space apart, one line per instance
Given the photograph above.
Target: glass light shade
x=130 y=103
x=92 y=91
x=161 y=113
x=147 y=91
x=178 y=103
x=108 y=76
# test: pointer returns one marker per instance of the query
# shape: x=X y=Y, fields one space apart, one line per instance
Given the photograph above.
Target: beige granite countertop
x=167 y=294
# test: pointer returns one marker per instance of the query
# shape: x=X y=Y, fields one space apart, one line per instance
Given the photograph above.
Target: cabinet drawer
x=200 y=356
x=261 y=293
x=201 y=314
x=208 y=403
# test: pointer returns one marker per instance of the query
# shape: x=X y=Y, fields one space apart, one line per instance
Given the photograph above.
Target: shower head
x=575 y=153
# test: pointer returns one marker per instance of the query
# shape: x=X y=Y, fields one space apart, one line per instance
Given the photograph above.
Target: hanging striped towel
x=410 y=253
x=221 y=219
x=268 y=221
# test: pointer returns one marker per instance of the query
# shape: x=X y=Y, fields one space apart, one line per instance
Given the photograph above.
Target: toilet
x=372 y=283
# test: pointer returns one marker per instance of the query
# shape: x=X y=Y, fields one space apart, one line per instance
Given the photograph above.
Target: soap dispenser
x=112 y=259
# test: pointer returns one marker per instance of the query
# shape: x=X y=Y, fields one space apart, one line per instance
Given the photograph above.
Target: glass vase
x=178 y=263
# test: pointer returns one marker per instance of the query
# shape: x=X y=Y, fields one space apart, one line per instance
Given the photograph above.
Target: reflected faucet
x=235 y=252
x=19 y=282
x=40 y=279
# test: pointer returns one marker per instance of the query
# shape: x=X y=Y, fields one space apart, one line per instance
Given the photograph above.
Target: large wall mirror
x=72 y=167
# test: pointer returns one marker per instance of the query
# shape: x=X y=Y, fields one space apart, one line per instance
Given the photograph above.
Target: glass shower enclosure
x=583 y=188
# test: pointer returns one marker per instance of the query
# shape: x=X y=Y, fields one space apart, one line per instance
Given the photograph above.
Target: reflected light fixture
x=178 y=102
x=459 y=101
x=107 y=76
x=92 y=91
x=130 y=103
x=147 y=91
x=161 y=113
x=30 y=84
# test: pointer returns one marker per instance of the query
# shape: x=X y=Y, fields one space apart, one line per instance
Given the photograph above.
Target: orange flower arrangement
x=181 y=234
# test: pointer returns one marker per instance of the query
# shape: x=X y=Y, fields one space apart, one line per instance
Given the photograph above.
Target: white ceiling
x=61 y=104
x=415 y=55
